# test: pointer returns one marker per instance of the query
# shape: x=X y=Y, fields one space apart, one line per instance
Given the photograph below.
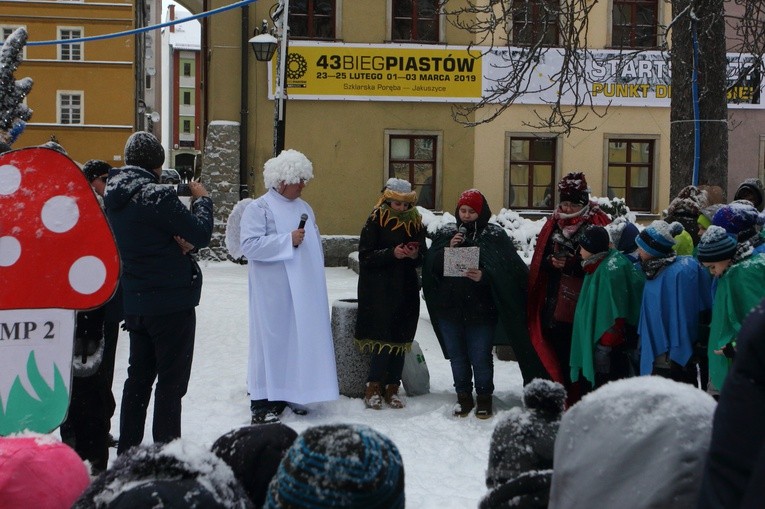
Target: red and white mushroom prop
x=57 y=255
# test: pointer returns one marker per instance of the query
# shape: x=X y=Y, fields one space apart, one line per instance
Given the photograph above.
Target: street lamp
x=264 y=45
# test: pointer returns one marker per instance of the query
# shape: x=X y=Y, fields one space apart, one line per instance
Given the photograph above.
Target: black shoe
x=264 y=416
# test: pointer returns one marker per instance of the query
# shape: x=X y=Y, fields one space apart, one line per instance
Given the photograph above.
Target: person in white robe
x=292 y=360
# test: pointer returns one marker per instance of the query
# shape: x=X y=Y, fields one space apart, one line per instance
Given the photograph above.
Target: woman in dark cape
x=498 y=298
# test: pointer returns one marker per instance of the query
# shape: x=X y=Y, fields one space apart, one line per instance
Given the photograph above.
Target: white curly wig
x=289 y=167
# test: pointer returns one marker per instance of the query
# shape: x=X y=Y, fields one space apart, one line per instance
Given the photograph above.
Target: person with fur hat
x=391 y=247
x=677 y=292
x=92 y=404
x=339 y=466
x=472 y=313
x=522 y=446
x=161 y=286
x=556 y=275
x=685 y=209
x=254 y=454
x=751 y=189
x=740 y=279
x=607 y=312
x=292 y=360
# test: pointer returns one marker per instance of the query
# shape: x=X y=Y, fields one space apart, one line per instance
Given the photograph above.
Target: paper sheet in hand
x=457 y=260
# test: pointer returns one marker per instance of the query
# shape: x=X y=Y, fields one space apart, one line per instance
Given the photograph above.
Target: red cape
x=538 y=291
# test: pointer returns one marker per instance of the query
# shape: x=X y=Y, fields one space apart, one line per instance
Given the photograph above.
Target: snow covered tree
x=13 y=112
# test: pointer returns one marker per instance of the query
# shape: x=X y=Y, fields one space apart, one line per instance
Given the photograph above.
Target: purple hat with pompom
x=739 y=218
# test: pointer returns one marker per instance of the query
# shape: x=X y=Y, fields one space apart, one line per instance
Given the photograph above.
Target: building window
x=69 y=108
x=535 y=22
x=187 y=126
x=70 y=51
x=415 y=20
x=186 y=98
x=187 y=69
x=532 y=172
x=312 y=19
x=413 y=158
x=630 y=172
x=635 y=23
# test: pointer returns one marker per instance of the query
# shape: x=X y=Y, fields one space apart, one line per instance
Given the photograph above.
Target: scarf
x=569 y=224
x=590 y=264
x=744 y=250
x=653 y=266
x=410 y=219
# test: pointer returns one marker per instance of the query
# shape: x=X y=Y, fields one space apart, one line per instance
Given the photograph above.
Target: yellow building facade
x=83 y=93
x=356 y=143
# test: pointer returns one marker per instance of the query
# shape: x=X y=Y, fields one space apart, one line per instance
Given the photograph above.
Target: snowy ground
x=445 y=457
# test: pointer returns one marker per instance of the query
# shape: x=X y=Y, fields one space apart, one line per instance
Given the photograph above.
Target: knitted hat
x=397 y=190
x=254 y=453
x=159 y=473
x=289 y=167
x=751 y=188
x=716 y=245
x=627 y=240
x=658 y=239
x=573 y=188
x=595 y=239
x=95 y=168
x=39 y=471
x=340 y=465
x=144 y=150
x=707 y=213
x=738 y=218
x=525 y=440
x=688 y=202
x=472 y=198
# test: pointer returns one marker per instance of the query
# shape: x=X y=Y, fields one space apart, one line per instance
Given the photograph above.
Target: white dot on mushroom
x=10 y=251
x=87 y=275
x=10 y=179
x=60 y=214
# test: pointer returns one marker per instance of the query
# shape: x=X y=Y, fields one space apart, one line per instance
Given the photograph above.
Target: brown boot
x=464 y=404
x=484 y=408
x=392 y=398
x=373 y=396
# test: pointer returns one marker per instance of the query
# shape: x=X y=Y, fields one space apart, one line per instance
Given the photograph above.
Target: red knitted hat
x=473 y=199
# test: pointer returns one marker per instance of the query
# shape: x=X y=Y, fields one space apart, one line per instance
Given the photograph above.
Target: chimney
x=171 y=10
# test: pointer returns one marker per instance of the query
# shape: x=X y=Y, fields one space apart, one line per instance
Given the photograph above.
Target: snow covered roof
x=187 y=36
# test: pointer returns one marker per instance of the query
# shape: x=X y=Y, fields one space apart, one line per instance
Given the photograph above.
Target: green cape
x=739 y=290
x=613 y=291
x=508 y=276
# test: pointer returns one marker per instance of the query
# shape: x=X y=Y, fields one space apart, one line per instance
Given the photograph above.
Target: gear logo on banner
x=296 y=66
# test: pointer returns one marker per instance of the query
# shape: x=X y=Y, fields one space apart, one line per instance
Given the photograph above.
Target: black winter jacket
x=157 y=278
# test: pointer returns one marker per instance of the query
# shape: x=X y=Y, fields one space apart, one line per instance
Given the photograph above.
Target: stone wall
x=220 y=175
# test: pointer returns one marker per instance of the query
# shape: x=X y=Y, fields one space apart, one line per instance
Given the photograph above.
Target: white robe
x=291 y=350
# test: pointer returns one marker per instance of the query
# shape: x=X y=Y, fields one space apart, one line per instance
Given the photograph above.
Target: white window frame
x=71 y=46
x=12 y=28
x=60 y=106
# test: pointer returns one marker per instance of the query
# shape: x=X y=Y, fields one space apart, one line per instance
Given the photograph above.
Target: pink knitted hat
x=40 y=472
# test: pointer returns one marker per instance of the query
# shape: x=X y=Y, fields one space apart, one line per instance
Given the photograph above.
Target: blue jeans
x=469 y=347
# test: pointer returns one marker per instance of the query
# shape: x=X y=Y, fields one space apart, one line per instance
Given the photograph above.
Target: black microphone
x=303 y=219
x=463 y=231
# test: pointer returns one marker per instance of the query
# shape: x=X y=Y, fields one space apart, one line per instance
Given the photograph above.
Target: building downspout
x=244 y=106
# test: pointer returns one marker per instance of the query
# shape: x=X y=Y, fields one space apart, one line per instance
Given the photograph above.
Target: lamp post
x=264 y=45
